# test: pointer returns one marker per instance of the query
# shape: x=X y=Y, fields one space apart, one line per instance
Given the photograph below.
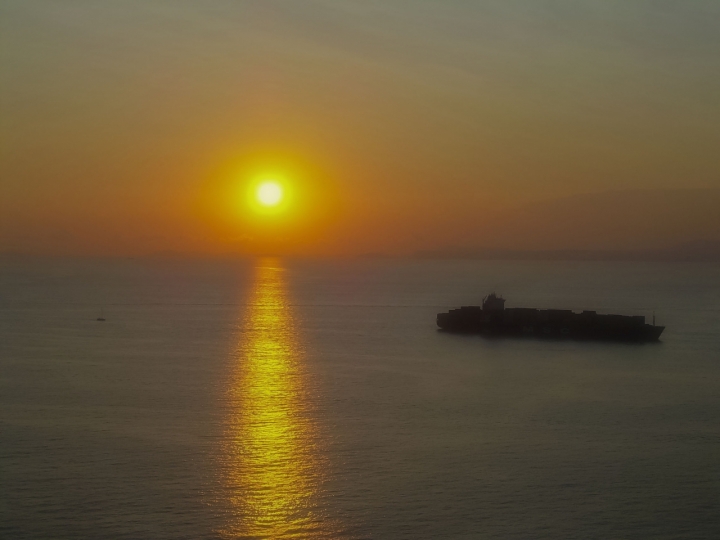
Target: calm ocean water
x=295 y=399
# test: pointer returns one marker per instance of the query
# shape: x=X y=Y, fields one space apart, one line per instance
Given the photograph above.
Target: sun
x=269 y=193
x=269 y=196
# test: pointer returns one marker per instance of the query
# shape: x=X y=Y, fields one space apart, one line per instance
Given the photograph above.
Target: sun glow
x=269 y=193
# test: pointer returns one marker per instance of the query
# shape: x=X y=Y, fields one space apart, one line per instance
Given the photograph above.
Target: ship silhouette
x=494 y=319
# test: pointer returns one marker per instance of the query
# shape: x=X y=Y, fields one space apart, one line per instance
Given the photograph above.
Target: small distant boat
x=101 y=318
x=494 y=319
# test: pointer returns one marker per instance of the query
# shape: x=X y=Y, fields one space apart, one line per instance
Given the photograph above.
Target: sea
x=291 y=398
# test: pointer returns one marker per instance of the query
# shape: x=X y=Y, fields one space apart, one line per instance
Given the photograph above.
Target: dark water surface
x=290 y=399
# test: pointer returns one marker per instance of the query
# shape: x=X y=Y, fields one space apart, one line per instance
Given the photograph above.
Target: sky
x=134 y=127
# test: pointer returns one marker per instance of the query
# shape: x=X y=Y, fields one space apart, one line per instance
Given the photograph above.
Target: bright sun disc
x=269 y=193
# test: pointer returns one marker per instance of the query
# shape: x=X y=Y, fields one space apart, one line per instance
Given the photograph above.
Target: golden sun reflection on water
x=273 y=469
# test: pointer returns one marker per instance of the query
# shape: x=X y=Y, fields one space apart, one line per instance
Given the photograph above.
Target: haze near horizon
x=393 y=127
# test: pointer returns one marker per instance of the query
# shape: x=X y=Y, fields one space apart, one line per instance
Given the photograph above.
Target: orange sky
x=130 y=127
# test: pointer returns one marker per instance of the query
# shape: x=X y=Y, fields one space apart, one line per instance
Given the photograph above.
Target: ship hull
x=548 y=324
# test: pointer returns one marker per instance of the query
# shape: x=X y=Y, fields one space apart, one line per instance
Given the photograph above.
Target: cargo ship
x=494 y=319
